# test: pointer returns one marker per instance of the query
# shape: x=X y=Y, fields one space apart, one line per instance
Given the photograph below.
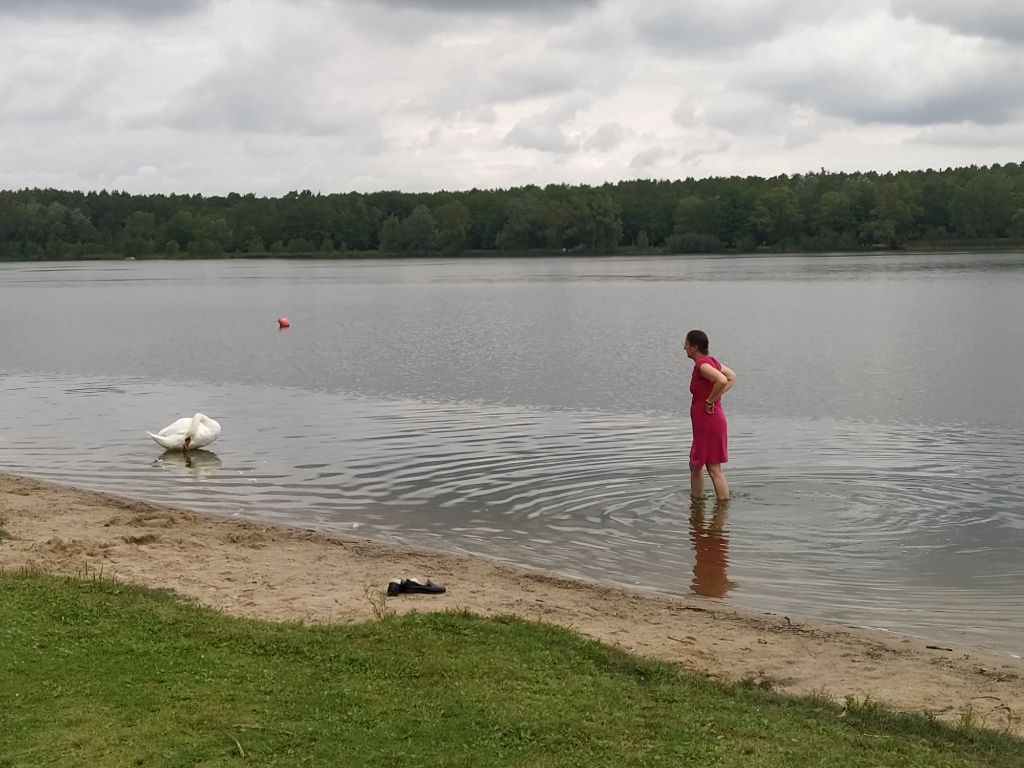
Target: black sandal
x=415 y=586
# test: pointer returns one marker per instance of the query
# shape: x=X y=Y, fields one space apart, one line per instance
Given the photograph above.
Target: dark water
x=536 y=411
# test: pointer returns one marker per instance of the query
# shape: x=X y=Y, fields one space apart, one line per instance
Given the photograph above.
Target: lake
x=536 y=410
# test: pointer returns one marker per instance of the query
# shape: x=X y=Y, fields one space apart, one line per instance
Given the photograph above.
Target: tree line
x=815 y=211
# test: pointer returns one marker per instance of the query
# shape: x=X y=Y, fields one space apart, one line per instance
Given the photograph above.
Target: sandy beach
x=290 y=574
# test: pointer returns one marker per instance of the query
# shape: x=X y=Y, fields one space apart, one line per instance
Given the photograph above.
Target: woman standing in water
x=710 y=380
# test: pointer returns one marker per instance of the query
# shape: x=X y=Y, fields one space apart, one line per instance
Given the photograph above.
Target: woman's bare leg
x=718 y=480
x=696 y=481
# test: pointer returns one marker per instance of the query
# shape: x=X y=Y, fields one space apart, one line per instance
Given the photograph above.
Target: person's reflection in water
x=710 y=549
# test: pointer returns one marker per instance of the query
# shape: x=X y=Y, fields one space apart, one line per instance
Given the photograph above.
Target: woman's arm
x=730 y=375
x=719 y=383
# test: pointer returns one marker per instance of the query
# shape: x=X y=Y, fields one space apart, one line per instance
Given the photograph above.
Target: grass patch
x=99 y=673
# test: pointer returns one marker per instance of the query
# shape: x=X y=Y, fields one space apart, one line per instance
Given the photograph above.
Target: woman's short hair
x=698 y=339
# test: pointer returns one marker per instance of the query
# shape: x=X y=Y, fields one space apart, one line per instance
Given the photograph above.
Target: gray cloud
x=696 y=156
x=981 y=97
x=973 y=135
x=735 y=110
x=608 y=136
x=545 y=131
x=693 y=27
x=741 y=114
x=277 y=91
x=100 y=10
x=997 y=19
x=405 y=22
x=546 y=7
x=877 y=70
x=649 y=158
x=238 y=102
x=475 y=93
x=539 y=132
x=35 y=95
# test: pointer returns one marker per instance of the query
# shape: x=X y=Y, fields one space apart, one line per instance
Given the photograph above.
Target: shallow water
x=535 y=411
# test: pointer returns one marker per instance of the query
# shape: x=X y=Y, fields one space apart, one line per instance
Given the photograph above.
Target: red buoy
x=282 y=322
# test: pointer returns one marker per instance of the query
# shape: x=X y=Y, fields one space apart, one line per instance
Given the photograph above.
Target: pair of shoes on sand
x=414 y=586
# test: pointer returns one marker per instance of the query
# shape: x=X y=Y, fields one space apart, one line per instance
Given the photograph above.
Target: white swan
x=189 y=432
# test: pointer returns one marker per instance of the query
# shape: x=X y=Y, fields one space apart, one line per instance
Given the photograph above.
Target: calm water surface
x=535 y=410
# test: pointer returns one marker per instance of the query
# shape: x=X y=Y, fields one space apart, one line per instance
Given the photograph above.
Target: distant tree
x=697 y=221
x=419 y=231
x=936 y=196
x=525 y=225
x=453 y=224
x=212 y=233
x=139 y=234
x=392 y=235
x=251 y=241
x=180 y=228
x=416 y=234
x=80 y=229
x=776 y=218
x=894 y=217
x=355 y=222
x=300 y=245
x=487 y=217
x=203 y=247
x=813 y=211
x=597 y=221
x=691 y=216
x=646 y=204
x=984 y=206
x=735 y=201
x=835 y=212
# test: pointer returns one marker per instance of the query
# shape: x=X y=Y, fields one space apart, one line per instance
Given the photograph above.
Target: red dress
x=710 y=443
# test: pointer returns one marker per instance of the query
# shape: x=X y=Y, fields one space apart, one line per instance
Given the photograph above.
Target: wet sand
x=291 y=574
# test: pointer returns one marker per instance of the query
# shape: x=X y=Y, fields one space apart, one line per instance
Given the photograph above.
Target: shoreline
x=280 y=573
x=924 y=248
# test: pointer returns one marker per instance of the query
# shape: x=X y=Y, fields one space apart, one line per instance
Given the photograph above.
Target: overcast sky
x=267 y=96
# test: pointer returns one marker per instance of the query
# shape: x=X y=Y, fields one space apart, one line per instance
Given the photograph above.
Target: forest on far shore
x=821 y=211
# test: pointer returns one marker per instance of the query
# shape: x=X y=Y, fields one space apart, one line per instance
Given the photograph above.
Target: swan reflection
x=710 y=549
x=197 y=464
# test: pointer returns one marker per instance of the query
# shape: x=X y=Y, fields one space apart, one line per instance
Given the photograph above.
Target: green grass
x=97 y=673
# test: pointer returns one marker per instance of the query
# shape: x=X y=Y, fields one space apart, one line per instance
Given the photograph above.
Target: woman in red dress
x=710 y=380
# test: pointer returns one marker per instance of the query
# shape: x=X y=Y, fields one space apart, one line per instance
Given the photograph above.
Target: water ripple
x=915 y=529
